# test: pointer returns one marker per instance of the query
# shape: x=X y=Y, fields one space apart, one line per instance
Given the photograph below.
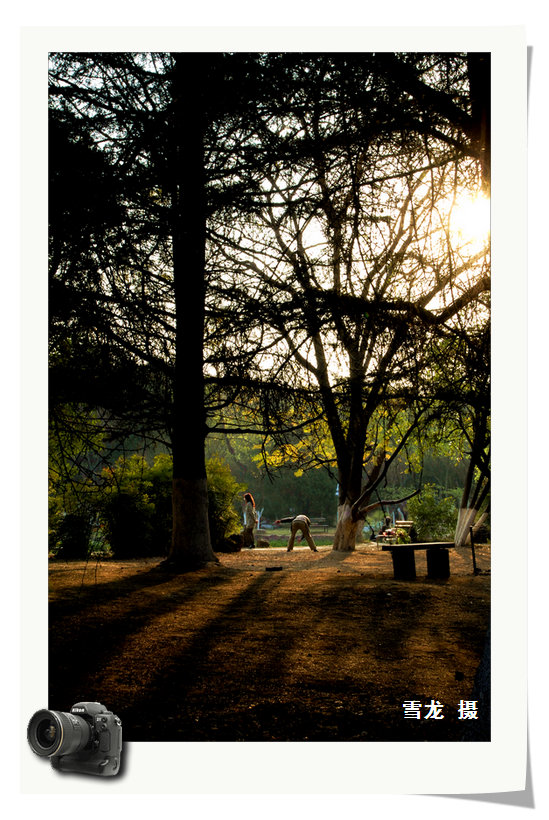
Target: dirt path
x=269 y=645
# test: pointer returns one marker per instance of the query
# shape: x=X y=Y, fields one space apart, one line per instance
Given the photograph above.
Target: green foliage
x=223 y=490
x=136 y=507
x=73 y=536
x=75 y=438
x=132 y=507
x=312 y=493
x=282 y=492
x=137 y=511
x=434 y=517
x=129 y=526
x=55 y=517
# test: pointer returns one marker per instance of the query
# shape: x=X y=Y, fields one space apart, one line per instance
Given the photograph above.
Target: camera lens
x=46 y=733
x=51 y=734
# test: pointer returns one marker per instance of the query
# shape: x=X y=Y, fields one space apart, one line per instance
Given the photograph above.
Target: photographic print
x=270 y=351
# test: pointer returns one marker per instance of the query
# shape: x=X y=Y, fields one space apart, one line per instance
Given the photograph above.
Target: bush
x=160 y=495
x=136 y=510
x=402 y=537
x=223 y=490
x=129 y=525
x=233 y=543
x=434 y=517
x=72 y=539
x=56 y=513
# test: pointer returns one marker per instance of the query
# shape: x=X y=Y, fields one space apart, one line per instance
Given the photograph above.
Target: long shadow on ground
x=223 y=655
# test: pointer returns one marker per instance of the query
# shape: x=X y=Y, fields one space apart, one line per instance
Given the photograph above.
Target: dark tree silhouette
x=351 y=267
x=191 y=542
x=275 y=235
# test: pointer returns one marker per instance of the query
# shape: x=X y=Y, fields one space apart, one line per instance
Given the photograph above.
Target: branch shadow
x=85 y=632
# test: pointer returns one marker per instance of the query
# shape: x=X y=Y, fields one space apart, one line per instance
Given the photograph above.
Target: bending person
x=299 y=522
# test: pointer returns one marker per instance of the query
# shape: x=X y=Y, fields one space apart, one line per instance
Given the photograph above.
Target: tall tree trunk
x=346 y=530
x=350 y=519
x=350 y=486
x=470 y=514
x=351 y=515
x=475 y=491
x=191 y=543
x=479 y=71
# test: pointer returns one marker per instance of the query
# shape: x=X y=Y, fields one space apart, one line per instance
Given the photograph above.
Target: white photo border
x=308 y=768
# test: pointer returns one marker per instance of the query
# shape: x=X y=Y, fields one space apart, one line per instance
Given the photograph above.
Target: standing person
x=299 y=522
x=250 y=520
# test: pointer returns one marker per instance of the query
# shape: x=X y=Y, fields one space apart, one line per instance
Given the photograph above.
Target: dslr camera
x=87 y=740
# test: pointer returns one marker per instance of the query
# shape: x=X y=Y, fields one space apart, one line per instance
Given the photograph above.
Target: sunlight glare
x=470 y=219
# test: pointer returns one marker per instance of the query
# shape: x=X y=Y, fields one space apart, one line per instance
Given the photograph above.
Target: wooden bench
x=385 y=538
x=404 y=561
x=319 y=522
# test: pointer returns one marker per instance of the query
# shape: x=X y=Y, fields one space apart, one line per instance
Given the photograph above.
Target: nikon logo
x=78 y=709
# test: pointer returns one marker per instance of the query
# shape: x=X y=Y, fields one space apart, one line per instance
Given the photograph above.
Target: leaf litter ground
x=269 y=645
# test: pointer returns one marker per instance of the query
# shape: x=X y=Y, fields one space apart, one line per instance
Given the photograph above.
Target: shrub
x=402 y=537
x=434 y=517
x=72 y=539
x=223 y=490
x=233 y=543
x=55 y=519
x=160 y=494
x=136 y=508
x=128 y=519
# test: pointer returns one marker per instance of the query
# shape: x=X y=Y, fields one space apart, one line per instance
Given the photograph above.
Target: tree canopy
x=270 y=243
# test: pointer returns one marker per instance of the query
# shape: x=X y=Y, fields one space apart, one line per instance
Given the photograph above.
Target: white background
x=531 y=16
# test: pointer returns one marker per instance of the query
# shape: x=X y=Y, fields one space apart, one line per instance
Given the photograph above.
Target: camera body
x=86 y=740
